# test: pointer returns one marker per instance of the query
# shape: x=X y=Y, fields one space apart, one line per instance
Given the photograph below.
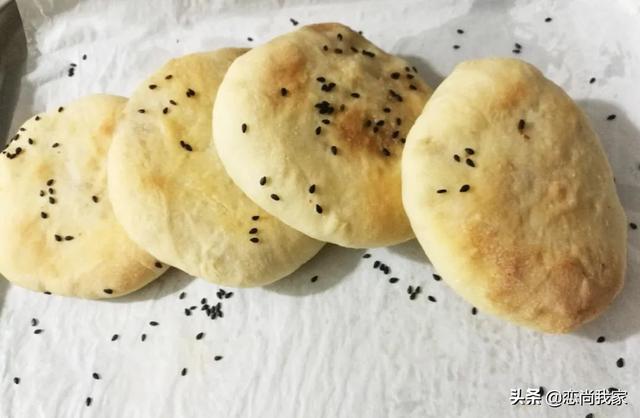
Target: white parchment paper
x=350 y=344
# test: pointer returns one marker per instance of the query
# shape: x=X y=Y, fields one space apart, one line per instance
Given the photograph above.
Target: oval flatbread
x=172 y=195
x=311 y=126
x=58 y=232
x=512 y=198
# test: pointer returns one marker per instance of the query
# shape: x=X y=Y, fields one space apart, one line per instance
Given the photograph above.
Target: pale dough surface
x=322 y=114
x=540 y=236
x=58 y=232
x=171 y=192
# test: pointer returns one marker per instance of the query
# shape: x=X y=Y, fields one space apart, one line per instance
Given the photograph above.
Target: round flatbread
x=311 y=126
x=58 y=232
x=172 y=195
x=512 y=198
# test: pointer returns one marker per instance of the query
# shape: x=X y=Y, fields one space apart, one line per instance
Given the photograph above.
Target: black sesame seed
x=517 y=45
x=474 y=310
x=217 y=358
x=600 y=339
x=84 y=57
x=152 y=86
x=68 y=238
x=521 y=124
x=440 y=191
x=376 y=264
x=592 y=80
x=465 y=188
x=190 y=93
x=44 y=215
x=275 y=197
x=52 y=191
x=354 y=49
x=60 y=109
x=16 y=380
x=633 y=225
x=368 y=53
x=199 y=336
x=515 y=51
x=386 y=152
x=186 y=146
x=469 y=151
x=165 y=110
x=143 y=337
x=456 y=47
x=431 y=298
x=293 y=22
x=410 y=76
x=187 y=312
x=356 y=95
x=30 y=141
x=470 y=162
x=395 y=134
x=393 y=280
x=46 y=292
x=37 y=117
x=318 y=208
x=325 y=48
x=108 y=291
x=263 y=181
x=589 y=415
x=460 y=31
x=228 y=295
x=38 y=331
x=367 y=255
x=318 y=130
x=326 y=121
x=55 y=145
x=253 y=231
x=283 y=91
x=34 y=322
x=255 y=217
x=183 y=372
x=244 y=127
x=412 y=87
x=95 y=199
x=58 y=237
x=321 y=79
x=255 y=240
x=410 y=289
x=168 y=77
x=413 y=296
x=312 y=188
x=611 y=117
x=456 y=157
x=548 y=19
x=173 y=102
x=153 y=323
x=96 y=376
x=338 y=51
x=436 y=277
x=620 y=362
x=114 y=337
x=398 y=121
x=141 y=110
x=395 y=75
x=88 y=401
x=313 y=279
x=334 y=150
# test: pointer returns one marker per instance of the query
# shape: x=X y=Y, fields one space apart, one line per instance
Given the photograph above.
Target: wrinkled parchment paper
x=350 y=344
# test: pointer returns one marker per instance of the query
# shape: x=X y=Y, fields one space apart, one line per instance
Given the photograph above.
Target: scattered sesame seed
x=84 y=57
x=460 y=31
x=34 y=322
x=515 y=51
x=88 y=401
x=465 y=188
x=368 y=53
x=37 y=118
x=325 y=48
x=314 y=279
x=255 y=217
x=108 y=291
x=517 y=45
x=58 y=237
x=275 y=197
x=46 y=292
x=165 y=110
x=95 y=199
x=548 y=19
x=376 y=264
x=283 y=91
x=199 y=335
x=293 y=22
x=431 y=298
x=186 y=146
x=338 y=51
x=611 y=117
x=620 y=362
x=16 y=380
x=436 y=277
x=244 y=128
x=366 y=255
x=440 y=191
x=38 y=331
x=96 y=376
x=355 y=95
x=253 y=231
x=395 y=75
x=312 y=188
x=386 y=152
x=60 y=109
x=152 y=86
x=217 y=358
x=410 y=289
x=474 y=310
x=183 y=372
x=470 y=162
x=55 y=145
x=456 y=157
x=30 y=141
x=190 y=93
x=393 y=280
x=114 y=337
x=143 y=337
x=469 y=151
x=44 y=215
x=326 y=121
x=521 y=124
x=456 y=47
x=592 y=80
x=68 y=238
x=334 y=150
x=255 y=240
x=600 y=339
x=318 y=208
x=412 y=87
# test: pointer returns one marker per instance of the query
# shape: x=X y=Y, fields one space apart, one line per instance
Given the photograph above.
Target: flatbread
x=58 y=233
x=527 y=224
x=311 y=126
x=172 y=195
